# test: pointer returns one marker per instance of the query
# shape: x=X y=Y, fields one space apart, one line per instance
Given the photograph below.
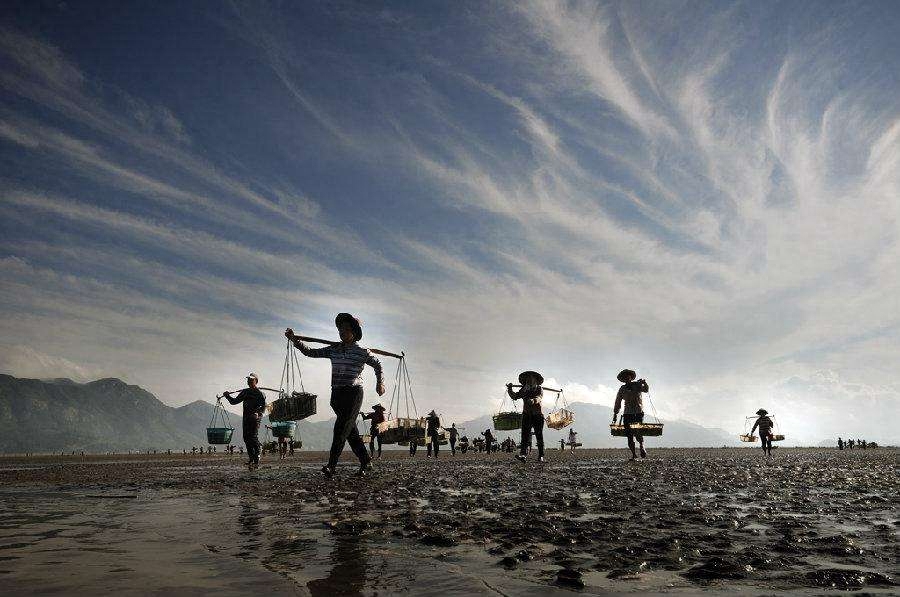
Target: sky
x=705 y=192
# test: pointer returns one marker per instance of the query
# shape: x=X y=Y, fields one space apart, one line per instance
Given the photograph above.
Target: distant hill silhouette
x=111 y=415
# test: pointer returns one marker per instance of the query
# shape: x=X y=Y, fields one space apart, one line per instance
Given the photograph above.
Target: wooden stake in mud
x=383 y=353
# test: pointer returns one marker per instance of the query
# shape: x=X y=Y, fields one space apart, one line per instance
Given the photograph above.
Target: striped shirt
x=347 y=362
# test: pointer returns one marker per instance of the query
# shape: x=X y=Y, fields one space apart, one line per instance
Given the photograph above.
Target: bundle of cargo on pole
x=510 y=420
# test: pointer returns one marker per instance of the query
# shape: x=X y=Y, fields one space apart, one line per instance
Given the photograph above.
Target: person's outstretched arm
x=315 y=353
x=236 y=400
x=755 y=425
x=509 y=390
x=373 y=362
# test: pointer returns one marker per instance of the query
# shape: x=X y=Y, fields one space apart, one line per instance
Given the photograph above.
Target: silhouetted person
x=453 y=433
x=573 y=439
x=254 y=404
x=488 y=441
x=850 y=444
x=432 y=425
x=562 y=444
x=631 y=394
x=765 y=425
x=377 y=418
x=531 y=393
x=348 y=359
x=840 y=444
x=464 y=444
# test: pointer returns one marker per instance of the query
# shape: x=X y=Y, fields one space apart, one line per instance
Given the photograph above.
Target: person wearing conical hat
x=531 y=394
x=765 y=425
x=630 y=394
x=348 y=359
x=432 y=435
x=377 y=417
x=254 y=404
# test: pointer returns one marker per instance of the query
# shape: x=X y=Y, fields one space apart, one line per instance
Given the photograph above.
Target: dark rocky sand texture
x=814 y=521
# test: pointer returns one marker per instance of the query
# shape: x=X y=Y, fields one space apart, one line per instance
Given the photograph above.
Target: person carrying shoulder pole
x=630 y=394
x=765 y=425
x=531 y=394
x=377 y=417
x=254 y=404
x=453 y=432
x=347 y=362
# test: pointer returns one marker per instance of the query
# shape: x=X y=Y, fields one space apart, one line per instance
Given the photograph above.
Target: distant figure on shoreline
x=348 y=359
x=630 y=393
x=573 y=439
x=453 y=434
x=377 y=418
x=432 y=438
x=562 y=444
x=254 y=404
x=488 y=441
x=840 y=444
x=531 y=393
x=849 y=444
x=464 y=444
x=765 y=425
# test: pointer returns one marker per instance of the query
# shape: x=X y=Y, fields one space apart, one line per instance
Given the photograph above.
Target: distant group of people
x=859 y=443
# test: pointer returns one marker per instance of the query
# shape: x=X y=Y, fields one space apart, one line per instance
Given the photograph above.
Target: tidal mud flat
x=813 y=521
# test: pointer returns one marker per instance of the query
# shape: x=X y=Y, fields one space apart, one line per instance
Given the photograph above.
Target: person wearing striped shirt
x=348 y=359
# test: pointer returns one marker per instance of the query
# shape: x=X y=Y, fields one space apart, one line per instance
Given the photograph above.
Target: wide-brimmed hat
x=524 y=375
x=432 y=414
x=378 y=407
x=354 y=323
x=762 y=412
x=626 y=375
x=252 y=376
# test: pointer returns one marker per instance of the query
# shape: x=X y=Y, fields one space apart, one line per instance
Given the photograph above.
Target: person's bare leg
x=631 y=447
x=640 y=439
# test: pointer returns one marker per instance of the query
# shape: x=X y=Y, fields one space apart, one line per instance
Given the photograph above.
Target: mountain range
x=110 y=415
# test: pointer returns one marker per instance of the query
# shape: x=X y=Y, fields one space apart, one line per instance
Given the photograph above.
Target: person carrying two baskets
x=347 y=362
x=377 y=418
x=254 y=404
x=630 y=394
x=531 y=394
x=765 y=425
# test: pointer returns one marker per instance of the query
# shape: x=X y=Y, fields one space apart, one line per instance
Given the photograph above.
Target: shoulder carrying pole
x=383 y=353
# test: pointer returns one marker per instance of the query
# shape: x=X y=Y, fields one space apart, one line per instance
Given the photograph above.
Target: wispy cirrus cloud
x=708 y=196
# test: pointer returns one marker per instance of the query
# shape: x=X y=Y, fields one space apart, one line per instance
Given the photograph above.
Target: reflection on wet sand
x=685 y=521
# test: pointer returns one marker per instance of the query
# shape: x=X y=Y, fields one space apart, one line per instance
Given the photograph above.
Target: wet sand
x=689 y=521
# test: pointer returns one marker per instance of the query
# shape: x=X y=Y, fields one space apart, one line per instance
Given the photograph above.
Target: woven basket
x=560 y=419
x=293 y=407
x=642 y=429
x=401 y=429
x=219 y=435
x=283 y=428
x=508 y=421
x=777 y=438
x=746 y=437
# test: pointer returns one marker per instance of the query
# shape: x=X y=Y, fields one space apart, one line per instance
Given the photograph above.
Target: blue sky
x=704 y=192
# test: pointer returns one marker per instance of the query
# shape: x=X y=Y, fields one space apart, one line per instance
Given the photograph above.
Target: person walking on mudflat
x=531 y=395
x=453 y=432
x=765 y=425
x=254 y=404
x=630 y=394
x=347 y=362
x=432 y=424
x=377 y=417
